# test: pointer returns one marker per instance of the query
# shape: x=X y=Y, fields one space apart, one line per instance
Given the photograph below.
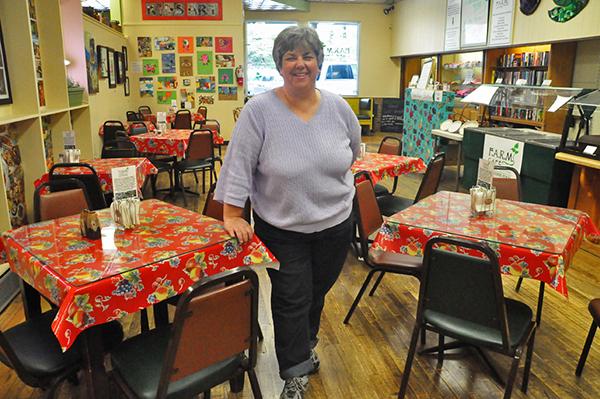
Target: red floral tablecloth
x=172 y=142
x=531 y=240
x=103 y=167
x=149 y=125
x=94 y=282
x=385 y=165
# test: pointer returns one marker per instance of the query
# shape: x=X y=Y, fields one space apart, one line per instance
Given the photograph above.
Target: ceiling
x=290 y=5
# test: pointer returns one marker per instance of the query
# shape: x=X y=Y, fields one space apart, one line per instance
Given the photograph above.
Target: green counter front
x=544 y=179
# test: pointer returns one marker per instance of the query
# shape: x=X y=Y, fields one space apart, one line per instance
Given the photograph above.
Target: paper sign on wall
x=501 y=22
x=452 y=36
x=503 y=152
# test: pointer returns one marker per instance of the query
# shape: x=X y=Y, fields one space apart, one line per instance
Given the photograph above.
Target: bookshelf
x=532 y=64
x=35 y=50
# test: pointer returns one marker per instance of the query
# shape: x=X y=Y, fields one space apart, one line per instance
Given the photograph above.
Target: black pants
x=309 y=266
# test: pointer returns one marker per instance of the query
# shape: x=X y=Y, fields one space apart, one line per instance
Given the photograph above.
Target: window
x=261 y=72
x=339 y=73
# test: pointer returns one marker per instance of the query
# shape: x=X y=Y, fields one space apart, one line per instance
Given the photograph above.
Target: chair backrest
x=465 y=287
x=236 y=113
x=53 y=200
x=133 y=116
x=215 y=319
x=433 y=175
x=390 y=145
x=183 y=119
x=91 y=182
x=120 y=148
x=202 y=110
x=200 y=145
x=506 y=187
x=214 y=208
x=110 y=128
x=144 y=110
x=366 y=210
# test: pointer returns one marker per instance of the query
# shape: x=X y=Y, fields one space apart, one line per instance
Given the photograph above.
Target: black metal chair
x=183 y=119
x=213 y=339
x=91 y=182
x=202 y=110
x=110 y=128
x=461 y=297
x=390 y=204
x=369 y=220
x=390 y=145
x=133 y=116
x=144 y=110
x=594 y=308
x=56 y=199
x=120 y=148
x=199 y=156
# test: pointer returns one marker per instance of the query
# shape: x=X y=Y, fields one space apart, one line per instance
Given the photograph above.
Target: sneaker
x=294 y=388
x=315 y=361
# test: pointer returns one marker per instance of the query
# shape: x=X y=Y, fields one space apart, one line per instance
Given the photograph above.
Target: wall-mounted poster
x=205 y=84
x=501 y=22
x=125 y=61
x=474 y=23
x=224 y=44
x=204 y=41
x=102 y=61
x=120 y=67
x=146 y=87
x=182 y=9
x=165 y=97
x=226 y=76
x=225 y=60
x=91 y=63
x=112 y=72
x=166 y=43
x=186 y=65
x=187 y=82
x=227 y=93
x=187 y=96
x=185 y=44
x=167 y=83
x=5 y=95
x=206 y=100
x=168 y=63
x=205 y=62
x=150 y=67
x=144 y=46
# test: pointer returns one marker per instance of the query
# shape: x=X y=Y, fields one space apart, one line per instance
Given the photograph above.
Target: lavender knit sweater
x=296 y=173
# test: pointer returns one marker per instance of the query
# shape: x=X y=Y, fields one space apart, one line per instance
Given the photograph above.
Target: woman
x=291 y=153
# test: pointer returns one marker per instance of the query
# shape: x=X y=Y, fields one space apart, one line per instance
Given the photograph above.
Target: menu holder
x=125 y=209
x=89 y=224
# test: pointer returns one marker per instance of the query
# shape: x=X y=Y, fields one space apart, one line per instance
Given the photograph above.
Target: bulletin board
x=182 y=9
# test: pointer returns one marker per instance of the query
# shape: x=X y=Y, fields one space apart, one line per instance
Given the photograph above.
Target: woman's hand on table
x=238 y=227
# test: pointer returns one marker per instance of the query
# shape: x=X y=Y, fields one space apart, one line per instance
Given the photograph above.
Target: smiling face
x=299 y=69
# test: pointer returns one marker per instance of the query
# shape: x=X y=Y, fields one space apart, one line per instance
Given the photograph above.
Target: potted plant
x=75 y=93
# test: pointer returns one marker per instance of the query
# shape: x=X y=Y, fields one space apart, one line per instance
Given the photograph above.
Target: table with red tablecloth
x=104 y=167
x=531 y=240
x=96 y=281
x=172 y=142
x=380 y=166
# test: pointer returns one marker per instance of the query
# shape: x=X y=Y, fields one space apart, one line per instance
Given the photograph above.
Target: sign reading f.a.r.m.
x=504 y=152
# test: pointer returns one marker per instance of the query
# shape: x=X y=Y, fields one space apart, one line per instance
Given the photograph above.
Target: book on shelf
x=529 y=59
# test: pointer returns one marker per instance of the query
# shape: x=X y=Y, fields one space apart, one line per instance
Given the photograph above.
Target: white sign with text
x=503 y=152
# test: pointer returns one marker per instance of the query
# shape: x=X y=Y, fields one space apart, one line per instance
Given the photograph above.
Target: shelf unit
x=25 y=118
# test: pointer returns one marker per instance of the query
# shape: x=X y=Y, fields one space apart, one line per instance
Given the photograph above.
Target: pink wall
x=72 y=30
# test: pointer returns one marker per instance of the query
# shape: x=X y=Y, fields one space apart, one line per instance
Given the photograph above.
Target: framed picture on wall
x=103 y=61
x=120 y=68
x=112 y=72
x=5 y=95
x=125 y=61
x=126 y=86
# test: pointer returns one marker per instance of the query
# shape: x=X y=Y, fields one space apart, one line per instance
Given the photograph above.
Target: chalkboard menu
x=392 y=113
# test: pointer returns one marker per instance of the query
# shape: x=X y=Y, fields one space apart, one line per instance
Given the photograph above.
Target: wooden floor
x=365 y=359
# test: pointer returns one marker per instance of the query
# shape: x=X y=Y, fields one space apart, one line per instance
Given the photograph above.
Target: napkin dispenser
x=483 y=200
x=126 y=212
x=89 y=224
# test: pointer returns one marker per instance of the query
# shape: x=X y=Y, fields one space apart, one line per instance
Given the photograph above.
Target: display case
x=584 y=144
x=462 y=72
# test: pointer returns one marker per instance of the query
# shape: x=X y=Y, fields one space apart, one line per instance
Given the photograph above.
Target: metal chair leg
x=360 y=294
x=528 y=357
x=440 y=354
x=182 y=188
x=376 y=284
x=409 y=359
x=586 y=349
x=518 y=287
x=512 y=375
x=254 y=384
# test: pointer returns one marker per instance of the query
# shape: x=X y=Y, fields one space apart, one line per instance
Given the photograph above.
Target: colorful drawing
x=48 y=147
x=164 y=43
x=204 y=41
x=91 y=63
x=167 y=83
x=165 y=97
x=146 y=87
x=186 y=65
x=224 y=44
x=225 y=60
x=187 y=82
x=225 y=76
x=205 y=84
x=185 y=44
x=14 y=180
x=150 y=67
x=227 y=93
x=203 y=100
x=205 y=62
x=187 y=96
x=144 y=46
x=168 y=63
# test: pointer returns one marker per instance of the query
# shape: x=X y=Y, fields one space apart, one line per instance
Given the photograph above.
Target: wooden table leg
x=96 y=379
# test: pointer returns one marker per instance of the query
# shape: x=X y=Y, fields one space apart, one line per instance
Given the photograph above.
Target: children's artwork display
x=226 y=76
x=186 y=65
x=224 y=44
x=187 y=82
x=144 y=46
x=166 y=43
x=187 y=98
x=182 y=9
x=167 y=82
x=205 y=62
x=227 y=93
x=204 y=41
x=165 y=97
x=14 y=181
x=168 y=63
x=225 y=60
x=206 y=100
x=205 y=84
x=91 y=63
x=150 y=67
x=102 y=61
x=185 y=45
x=146 y=87
x=48 y=148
